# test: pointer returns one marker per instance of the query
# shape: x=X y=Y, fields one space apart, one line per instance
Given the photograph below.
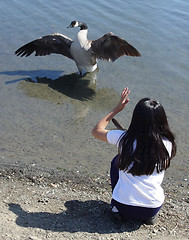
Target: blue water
x=49 y=124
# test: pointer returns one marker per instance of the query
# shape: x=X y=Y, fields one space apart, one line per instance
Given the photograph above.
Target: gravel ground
x=38 y=204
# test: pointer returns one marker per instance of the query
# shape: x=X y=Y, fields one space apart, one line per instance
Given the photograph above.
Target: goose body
x=84 y=52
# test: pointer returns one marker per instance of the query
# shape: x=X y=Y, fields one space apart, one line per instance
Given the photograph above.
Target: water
x=49 y=123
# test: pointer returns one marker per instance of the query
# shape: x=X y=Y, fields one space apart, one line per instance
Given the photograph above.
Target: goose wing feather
x=111 y=47
x=54 y=43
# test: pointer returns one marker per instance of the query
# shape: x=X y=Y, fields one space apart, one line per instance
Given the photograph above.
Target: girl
x=144 y=153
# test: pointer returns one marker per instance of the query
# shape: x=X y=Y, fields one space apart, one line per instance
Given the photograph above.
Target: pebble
x=155 y=231
x=34 y=238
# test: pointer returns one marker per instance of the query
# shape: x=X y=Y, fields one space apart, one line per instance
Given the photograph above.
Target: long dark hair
x=148 y=127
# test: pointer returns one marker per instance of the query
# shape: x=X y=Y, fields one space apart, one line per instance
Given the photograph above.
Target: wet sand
x=48 y=123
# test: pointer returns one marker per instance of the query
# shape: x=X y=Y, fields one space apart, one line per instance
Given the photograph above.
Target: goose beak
x=70 y=26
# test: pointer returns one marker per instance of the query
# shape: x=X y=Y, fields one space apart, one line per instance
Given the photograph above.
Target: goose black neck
x=83 y=26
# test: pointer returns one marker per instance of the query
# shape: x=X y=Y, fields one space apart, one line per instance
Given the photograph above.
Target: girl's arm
x=99 y=131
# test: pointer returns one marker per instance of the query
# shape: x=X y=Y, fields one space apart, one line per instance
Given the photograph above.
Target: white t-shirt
x=143 y=191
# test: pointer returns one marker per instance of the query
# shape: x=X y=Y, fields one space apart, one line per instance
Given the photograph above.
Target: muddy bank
x=39 y=203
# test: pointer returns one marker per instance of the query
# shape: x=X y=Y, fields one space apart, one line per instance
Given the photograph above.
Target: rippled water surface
x=48 y=122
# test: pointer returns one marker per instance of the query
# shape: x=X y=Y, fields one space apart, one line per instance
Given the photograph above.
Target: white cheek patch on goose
x=76 y=24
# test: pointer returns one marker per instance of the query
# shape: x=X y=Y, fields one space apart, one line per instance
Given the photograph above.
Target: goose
x=84 y=52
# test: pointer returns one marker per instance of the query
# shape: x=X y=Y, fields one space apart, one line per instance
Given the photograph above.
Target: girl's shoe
x=116 y=215
x=151 y=221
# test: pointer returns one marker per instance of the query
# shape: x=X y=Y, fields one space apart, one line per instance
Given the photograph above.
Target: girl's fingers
x=124 y=94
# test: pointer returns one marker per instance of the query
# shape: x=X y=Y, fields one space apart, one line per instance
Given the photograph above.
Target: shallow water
x=48 y=122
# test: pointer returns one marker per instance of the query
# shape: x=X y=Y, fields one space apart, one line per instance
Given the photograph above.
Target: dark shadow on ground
x=33 y=74
x=89 y=216
x=72 y=85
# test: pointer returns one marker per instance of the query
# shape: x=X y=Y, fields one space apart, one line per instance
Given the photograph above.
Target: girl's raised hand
x=100 y=131
x=123 y=100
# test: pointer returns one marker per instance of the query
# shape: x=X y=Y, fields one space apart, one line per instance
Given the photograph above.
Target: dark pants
x=128 y=211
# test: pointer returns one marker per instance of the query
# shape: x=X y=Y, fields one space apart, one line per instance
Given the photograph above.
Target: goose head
x=74 y=24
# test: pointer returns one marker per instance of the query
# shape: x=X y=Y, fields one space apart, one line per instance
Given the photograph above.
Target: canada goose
x=83 y=51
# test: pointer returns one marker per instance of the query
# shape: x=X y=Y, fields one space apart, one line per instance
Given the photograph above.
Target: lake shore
x=39 y=203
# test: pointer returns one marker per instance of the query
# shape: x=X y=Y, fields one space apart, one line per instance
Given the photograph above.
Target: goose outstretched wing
x=111 y=47
x=54 y=43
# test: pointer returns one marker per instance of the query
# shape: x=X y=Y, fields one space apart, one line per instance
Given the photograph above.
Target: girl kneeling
x=144 y=153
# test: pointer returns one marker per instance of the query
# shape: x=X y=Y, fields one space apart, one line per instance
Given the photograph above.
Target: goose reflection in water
x=82 y=93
